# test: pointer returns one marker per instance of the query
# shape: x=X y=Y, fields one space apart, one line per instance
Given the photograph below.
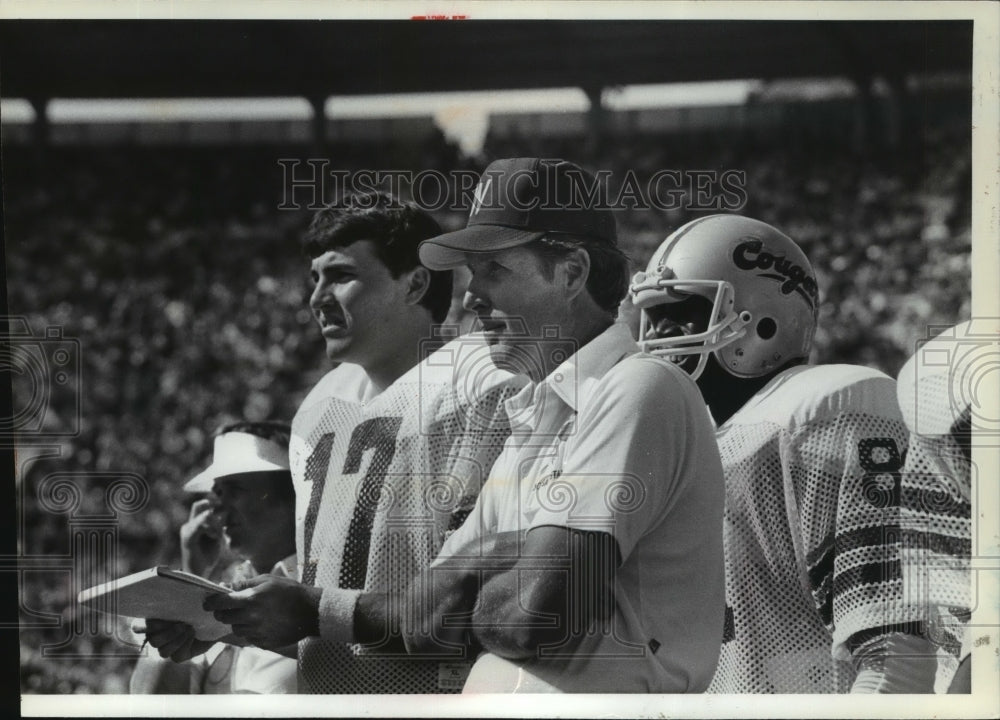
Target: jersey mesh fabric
x=938 y=483
x=812 y=530
x=936 y=519
x=379 y=485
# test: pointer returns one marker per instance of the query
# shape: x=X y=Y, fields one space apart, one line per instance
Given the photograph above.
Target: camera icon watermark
x=488 y=371
x=45 y=372
x=951 y=384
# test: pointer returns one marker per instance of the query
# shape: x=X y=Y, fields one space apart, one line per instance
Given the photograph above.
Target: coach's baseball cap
x=519 y=200
x=236 y=453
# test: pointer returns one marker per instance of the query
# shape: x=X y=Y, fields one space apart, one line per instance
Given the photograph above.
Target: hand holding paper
x=271 y=612
x=173 y=640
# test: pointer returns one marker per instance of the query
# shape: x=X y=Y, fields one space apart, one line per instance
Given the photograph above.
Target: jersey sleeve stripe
x=863 y=637
x=876 y=536
x=867 y=574
x=938 y=543
x=934 y=502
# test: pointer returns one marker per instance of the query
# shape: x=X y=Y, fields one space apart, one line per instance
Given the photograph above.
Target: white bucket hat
x=239 y=452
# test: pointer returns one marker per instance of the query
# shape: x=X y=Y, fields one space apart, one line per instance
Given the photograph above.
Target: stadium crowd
x=187 y=290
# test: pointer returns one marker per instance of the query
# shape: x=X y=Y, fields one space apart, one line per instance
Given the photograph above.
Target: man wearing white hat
x=252 y=501
x=250 y=478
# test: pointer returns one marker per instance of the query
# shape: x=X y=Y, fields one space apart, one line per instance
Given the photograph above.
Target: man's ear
x=418 y=283
x=575 y=271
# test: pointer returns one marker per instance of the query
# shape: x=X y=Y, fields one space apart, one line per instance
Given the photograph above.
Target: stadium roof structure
x=315 y=59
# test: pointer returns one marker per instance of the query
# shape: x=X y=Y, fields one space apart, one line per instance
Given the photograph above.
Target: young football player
x=812 y=458
x=387 y=453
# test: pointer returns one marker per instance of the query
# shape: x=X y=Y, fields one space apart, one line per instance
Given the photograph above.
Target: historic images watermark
x=45 y=377
x=91 y=507
x=956 y=379
x=309 y=184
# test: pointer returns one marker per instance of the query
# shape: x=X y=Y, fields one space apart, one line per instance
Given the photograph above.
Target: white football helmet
x=760 y=284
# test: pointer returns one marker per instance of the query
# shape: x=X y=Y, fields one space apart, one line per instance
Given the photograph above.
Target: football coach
x=608 y=493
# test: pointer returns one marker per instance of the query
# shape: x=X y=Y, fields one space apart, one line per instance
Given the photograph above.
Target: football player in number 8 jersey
x=812 y=457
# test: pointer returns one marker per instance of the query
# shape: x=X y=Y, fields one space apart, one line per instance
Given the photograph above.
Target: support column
x=597 y=120
x=865 y=116
x=318 y=103
x=40 y=128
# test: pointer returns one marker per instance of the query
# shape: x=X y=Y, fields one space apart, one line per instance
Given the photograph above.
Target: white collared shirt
x=618 y=441
x=229 y=670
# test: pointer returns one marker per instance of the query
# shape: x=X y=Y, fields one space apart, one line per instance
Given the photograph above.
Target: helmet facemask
x=682 y=319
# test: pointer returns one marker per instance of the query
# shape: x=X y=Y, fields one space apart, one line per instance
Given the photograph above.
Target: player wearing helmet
x=811 y=456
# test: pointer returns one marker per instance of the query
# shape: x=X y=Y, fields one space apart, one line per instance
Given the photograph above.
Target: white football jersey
x=813 y=530
x=936 y=520
x=380 y=480
x=937 y=479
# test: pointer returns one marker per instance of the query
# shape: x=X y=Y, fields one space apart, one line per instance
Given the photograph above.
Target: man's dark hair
x=607 y=282
x=395 y=229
